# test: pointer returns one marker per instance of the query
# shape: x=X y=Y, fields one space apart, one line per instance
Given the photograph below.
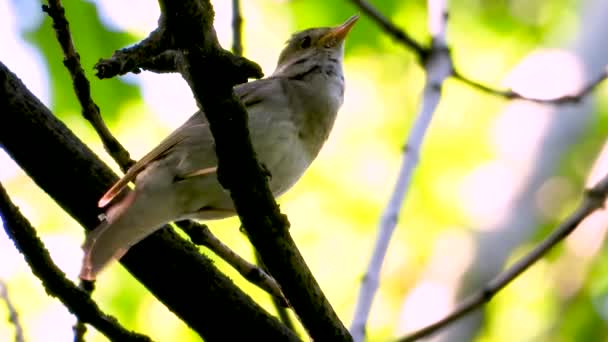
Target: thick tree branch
x=237 y=48
x=594 y=199
x=211 y=74
x=81 y=85
x=75 y=178
x=55 y=283
x=13 y=316
x=438 y=67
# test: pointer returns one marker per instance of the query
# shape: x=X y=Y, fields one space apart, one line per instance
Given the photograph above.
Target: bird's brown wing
x=251 y=94
x=197 y=121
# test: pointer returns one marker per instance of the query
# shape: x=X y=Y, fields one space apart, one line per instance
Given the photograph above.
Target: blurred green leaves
x=92 y=41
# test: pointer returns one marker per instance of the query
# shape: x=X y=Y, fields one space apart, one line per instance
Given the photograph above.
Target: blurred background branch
x=594 y=199
x=13 y=315
x=423 y=53
x=480 y=154
x=530 y=169
x=438 y=67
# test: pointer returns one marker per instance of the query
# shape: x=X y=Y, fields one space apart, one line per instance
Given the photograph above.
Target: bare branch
x=513 y=95
x=201 y=235
x=80 y=329
x=55 y=283
x=237 y=28
x=282 y=310
x=81 y=85
x=593 y=200
x=392 y=29
x=438 y=68
x=13 y=316
x=422 y=53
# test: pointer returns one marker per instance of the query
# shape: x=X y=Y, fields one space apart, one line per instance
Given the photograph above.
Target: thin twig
x=201 y=235
x=438 y=67
x=422 y=53
x=392 y=29
x=81 y=85
x=510 y=94
x=237 y=28
x=55 y=283
x=593 y=200
x=13 y=316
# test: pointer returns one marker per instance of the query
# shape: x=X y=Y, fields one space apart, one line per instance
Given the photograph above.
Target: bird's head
x=310 y=42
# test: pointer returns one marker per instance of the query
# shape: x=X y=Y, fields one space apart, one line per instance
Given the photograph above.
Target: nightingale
x=290 y=116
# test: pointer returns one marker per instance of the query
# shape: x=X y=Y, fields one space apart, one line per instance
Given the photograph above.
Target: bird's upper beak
x=338 y=33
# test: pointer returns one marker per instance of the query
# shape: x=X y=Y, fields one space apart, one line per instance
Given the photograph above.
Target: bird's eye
x=305 y=42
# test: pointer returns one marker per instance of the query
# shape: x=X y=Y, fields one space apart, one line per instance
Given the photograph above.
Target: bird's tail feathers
x=127 y=222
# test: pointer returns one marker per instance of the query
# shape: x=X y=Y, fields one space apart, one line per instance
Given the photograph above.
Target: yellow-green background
x=334 y=210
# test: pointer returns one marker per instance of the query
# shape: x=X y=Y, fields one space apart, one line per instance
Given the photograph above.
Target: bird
x=290 y=116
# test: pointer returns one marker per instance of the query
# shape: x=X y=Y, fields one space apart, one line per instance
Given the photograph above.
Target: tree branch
x=438 y=67
x=81 y=85
x=423 y=52
x=13 y=316
x=204 y=298
x=211 y=74
x=201 y=235
x=149 y=54
x=392 y=29
x=593 y=200
x=55 y=283
x=279 y=302
x=513 y=95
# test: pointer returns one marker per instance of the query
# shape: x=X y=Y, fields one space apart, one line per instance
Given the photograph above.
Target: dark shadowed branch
x=282 y=310
x=55 y=283
x=149 y=54
x=593 y=200
x=217 y=299
x=211 y=73
x=13 y=316
x=160 y=61
x=82 y=86
x=237 y=49
x=201 y=235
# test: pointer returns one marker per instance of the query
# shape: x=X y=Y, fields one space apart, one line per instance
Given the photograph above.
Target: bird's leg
x=202 y=236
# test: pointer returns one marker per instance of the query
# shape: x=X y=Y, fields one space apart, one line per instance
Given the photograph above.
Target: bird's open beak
x=338 y=33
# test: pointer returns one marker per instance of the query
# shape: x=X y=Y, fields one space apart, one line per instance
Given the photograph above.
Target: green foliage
x=93 y=41
x=335 y=208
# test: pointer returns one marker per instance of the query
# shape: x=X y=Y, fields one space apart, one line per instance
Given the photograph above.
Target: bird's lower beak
x=338 y=33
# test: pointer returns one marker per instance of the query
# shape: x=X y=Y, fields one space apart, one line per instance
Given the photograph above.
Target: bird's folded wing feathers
x=251 y=94
x=173 y=139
